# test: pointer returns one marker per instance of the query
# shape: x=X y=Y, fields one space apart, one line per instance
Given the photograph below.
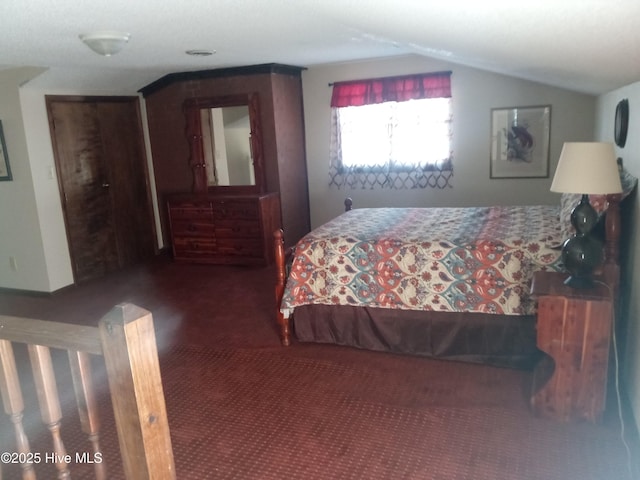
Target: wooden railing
x=126 y=339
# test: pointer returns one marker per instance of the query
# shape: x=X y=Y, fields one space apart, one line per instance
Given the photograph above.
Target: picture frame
x=5 y=168
x=520 y=142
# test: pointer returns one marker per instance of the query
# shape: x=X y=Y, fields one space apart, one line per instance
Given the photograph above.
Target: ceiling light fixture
x=106 y=42
x=200 y=53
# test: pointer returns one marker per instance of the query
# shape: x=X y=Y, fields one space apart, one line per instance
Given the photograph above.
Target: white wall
x=22 y=237
x=47 y=194
x=605 y=113
x=475 y=93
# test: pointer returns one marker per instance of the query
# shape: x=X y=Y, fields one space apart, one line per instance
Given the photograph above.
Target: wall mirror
x=225 y=143
x=621 y=123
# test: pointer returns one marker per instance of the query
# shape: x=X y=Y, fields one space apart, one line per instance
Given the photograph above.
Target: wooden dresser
x=186 y=147
x=224 y=229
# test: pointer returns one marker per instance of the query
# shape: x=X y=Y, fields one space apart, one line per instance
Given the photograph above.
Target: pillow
x=568 y=201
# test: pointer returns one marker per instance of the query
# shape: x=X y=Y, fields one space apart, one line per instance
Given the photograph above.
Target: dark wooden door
x=103 y=181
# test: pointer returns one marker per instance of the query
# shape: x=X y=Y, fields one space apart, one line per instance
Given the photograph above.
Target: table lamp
x=585 y=168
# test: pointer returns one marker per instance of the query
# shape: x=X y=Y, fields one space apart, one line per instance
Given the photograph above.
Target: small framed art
x=520 y=142
x=5 y=169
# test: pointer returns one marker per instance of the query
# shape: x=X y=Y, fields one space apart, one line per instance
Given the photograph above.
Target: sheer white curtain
x=393 y=144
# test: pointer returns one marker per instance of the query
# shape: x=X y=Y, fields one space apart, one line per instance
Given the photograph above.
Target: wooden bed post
x=281 y=278
x=282 y=257
x=611 y=267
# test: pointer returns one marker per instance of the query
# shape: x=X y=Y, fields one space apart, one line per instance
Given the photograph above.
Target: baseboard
x=35 y=293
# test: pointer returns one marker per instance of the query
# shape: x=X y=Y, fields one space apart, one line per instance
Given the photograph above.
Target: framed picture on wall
x=5 y=169
x=520 y=142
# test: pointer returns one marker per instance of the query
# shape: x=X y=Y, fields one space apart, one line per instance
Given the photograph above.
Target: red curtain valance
x=391 y=89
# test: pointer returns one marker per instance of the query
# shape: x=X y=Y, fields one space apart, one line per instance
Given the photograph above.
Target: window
x=392 y=133
x=399 y=135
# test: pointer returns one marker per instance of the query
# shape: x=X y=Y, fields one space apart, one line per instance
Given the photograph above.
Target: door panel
x=124 y=152
x=87 y=203
x=103 y=179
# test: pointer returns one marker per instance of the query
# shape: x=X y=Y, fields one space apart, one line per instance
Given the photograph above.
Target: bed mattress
x=478 y=259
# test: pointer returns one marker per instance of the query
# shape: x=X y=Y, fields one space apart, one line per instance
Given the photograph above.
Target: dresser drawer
x=191 y=212
x=238 y=229
x=193 y=246
x=240 y=247
x=190 y=228
x=235 y=210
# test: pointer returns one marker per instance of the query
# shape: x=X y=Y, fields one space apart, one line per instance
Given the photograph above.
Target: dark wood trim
x=267 y=68
x=90 y=99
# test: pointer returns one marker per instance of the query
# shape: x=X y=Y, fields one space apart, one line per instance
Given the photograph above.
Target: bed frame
x=495 y=334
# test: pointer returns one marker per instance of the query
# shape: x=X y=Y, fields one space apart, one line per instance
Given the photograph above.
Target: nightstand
x=574 y=331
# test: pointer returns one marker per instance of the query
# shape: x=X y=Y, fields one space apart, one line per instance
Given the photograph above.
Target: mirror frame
x=621 y=123
x=192 y=107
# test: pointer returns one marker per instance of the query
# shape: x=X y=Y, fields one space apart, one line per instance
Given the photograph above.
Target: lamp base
x=580 y=283
x=581 y=255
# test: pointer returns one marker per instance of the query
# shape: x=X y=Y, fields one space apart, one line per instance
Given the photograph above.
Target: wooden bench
x=125 y=337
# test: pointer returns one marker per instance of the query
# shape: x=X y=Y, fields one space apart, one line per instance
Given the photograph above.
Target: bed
x=449 y=283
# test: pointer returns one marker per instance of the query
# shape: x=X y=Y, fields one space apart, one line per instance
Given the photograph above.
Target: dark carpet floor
x=242 y=407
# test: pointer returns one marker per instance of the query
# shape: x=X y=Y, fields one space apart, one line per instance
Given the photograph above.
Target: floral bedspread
x=478 y=259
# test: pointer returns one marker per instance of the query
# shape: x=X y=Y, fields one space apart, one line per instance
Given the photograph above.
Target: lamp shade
x=587 y=168
x=105 y=42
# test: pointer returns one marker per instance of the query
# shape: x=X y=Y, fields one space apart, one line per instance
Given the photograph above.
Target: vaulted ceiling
x=590 y=46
